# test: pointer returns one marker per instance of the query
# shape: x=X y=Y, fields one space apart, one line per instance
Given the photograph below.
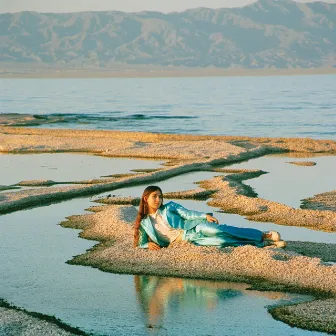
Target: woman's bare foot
x=273 y=236
x=278 y=244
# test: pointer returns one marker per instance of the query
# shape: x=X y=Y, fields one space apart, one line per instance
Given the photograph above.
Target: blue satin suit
x=197 y=229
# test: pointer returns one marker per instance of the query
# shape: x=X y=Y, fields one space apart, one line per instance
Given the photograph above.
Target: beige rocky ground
x=303 y=163
x=324 y=201
x=14 y=322
x=315 y=315
x=232 y=196
x=146 y=144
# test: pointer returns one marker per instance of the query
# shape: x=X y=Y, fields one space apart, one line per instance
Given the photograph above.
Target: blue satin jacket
x=176 y=215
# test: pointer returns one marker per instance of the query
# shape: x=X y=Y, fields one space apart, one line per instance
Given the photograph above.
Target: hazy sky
x=122 y=5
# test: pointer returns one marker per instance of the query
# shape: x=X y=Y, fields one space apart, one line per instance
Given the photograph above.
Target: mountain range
x=265 y=34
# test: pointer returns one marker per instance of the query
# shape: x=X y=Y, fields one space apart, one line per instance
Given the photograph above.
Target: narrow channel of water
x=288 y=183
x=65 y=167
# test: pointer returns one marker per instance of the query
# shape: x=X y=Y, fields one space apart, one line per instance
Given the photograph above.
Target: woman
x=157 y=225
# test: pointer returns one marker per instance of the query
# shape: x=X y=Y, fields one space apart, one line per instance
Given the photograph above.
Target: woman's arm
x=188 y=214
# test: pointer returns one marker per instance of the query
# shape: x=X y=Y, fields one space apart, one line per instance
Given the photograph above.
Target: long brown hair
x=143 y=211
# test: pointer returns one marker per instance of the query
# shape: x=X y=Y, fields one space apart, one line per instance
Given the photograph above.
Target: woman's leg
x=211 y=234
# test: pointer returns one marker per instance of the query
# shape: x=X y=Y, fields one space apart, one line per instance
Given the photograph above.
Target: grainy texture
x=16 y=322
x=230 y=197
x=316 y=315
x=303 y=163
x=324 y=201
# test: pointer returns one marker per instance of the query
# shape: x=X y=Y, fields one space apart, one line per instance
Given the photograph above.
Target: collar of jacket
x=148 y=226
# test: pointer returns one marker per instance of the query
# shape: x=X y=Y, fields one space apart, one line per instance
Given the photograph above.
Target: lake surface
x=289 y=183
x=61 y=167
x=274 y=106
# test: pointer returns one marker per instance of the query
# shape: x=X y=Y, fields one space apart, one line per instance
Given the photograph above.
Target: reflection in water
x=158 y=295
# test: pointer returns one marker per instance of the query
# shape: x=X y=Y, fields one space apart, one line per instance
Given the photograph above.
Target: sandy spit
x=112 y=224
x=130 y=143
x=316 y=315
x=303 y=163
x=324 y=201
x=40 y=71
x=232 y=196
x=15 y=321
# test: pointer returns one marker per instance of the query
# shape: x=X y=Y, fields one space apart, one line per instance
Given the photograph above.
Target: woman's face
x=154 y=200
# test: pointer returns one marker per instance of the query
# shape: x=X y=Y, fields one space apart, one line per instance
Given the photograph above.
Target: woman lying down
x=157 y=225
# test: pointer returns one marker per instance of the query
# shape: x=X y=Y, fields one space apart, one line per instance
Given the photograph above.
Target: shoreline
x=27 y=321
x=42 y=73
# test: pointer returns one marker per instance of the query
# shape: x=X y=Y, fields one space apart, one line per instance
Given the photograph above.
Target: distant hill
x=265 y=34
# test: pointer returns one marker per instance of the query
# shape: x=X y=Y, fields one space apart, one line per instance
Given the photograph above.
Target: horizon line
x=170 y=12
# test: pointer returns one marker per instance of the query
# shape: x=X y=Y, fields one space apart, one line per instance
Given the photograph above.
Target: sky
x=59 y=6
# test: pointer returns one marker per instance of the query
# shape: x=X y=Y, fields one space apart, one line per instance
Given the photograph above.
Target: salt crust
x=324 y=201
x=13 y=322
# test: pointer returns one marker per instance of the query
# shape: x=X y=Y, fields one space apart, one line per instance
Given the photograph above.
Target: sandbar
x=145 y=71
x=17 y=321
x=324 y=201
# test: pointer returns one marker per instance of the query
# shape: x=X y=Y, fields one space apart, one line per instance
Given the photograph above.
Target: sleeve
x=143 y=238
x=187 y=214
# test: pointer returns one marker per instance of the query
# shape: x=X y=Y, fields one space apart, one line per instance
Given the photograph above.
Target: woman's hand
x=209 y=218
x=154 y=247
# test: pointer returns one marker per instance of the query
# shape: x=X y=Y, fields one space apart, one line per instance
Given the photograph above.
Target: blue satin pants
x=212 y=234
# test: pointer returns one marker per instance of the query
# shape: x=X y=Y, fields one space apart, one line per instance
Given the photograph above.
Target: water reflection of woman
x=158 y=294
x=155 y=294
x=158 y=225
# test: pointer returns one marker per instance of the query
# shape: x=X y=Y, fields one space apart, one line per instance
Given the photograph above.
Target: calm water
x=34 y=275
x=64 y=167
x=287 y=106
x=288 y=183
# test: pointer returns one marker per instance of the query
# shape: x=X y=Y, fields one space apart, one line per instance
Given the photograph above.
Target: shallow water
x=65 y=167
x=33 y=275
x=288 y=183
x=275 y=106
